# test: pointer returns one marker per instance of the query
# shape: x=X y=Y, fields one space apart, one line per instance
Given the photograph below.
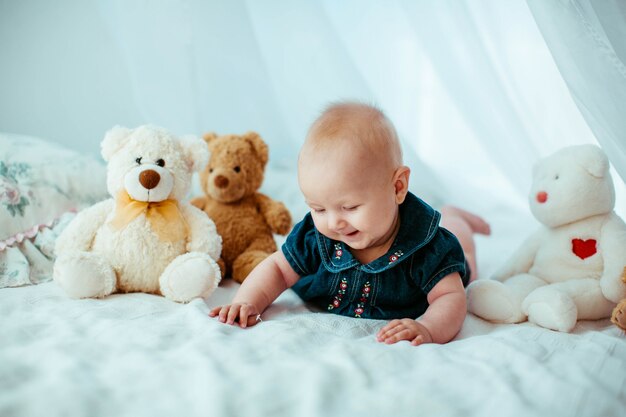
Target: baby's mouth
x=351 y=234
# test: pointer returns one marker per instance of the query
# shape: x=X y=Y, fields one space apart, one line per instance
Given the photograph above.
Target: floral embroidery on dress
x=365 y=293
x=342 y=291
x=338 y=251
x=396 y=255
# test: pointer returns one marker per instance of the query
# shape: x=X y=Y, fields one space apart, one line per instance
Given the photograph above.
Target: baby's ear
x=196 y=152
x=258 y=145
x=113 y=141
x=401 y=183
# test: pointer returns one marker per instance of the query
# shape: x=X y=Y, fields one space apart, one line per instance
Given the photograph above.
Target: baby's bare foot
x=476 y=223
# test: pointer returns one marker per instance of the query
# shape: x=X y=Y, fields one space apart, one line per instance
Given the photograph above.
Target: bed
x=142 y=355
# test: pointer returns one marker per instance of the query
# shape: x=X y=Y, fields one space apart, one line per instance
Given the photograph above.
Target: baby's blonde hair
x=364 y=127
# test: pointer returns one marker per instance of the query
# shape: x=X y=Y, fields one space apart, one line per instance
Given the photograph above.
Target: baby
x=368 y=248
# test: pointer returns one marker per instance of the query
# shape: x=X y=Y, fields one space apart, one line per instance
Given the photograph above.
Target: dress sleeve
x=442 y=256
x=300 y=248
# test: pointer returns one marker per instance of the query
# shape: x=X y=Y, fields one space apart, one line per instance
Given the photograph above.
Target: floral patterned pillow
x=39 y=182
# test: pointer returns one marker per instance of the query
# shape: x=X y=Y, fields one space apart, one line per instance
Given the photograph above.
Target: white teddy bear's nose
x=542 y=196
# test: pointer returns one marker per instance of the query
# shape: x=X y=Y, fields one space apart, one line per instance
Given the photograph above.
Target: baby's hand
x=245 y=314
x=404 y=329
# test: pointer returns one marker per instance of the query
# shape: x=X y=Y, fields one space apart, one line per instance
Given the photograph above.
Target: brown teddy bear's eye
x=237 y=169
x=160 y=163
x=138 y=160
x=210 y=170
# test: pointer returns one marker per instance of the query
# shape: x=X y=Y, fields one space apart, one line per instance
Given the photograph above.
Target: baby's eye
x=138 y=160
x=160 y=163
x=350 y=208
x=318 y=210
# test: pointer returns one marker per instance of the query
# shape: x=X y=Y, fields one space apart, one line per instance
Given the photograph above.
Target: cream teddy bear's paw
x=551 y=309
x=190 y=276
x=84 y=275
x=493 y=301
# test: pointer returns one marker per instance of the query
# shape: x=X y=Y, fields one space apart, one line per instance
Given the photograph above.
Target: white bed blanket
x=142 y=355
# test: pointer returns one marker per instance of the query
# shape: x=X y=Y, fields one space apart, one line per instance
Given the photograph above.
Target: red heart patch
x=584 y=248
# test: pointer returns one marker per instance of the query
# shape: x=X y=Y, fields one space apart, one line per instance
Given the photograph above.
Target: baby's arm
x=264 y=284
x=441 y=321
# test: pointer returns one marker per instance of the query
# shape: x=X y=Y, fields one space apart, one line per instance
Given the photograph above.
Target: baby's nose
x=335 y=222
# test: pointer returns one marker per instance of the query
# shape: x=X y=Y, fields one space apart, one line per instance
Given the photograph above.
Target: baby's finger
x=391 y=325
x=244 y=312
x=224 y=313
x=385 y=333
x=214 y=311
x=232 y=314
x=403 y=334
x=418 y=340
x=254 y=319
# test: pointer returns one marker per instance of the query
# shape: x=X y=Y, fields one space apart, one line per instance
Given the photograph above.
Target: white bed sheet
x=142 y=355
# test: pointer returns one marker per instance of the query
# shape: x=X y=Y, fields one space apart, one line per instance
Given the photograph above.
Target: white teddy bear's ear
x=113 y=140
x=593 y=159
x=196 y=152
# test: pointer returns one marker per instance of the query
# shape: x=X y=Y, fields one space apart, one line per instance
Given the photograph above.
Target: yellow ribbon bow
x=165 y=217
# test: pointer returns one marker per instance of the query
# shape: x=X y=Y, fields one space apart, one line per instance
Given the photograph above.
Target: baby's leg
x=463 y=225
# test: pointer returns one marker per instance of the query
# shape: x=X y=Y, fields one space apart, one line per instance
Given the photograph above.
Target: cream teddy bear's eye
x=138 y=160
x=160 y=162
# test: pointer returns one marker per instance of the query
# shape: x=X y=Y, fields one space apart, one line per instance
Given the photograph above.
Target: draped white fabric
x=470 y=84
x=588 y=42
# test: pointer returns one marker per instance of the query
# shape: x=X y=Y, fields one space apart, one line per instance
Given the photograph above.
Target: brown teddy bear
x=619 y=312
x=244 y=218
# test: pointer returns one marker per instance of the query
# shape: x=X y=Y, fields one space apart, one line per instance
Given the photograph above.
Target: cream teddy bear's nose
x=149 y=178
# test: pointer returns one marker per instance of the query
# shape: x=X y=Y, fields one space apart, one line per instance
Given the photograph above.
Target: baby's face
x=350 y=201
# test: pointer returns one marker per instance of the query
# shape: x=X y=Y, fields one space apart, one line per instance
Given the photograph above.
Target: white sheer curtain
x=588 y=41
x=470 y=85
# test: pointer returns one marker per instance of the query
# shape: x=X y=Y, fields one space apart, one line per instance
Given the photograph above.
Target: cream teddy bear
x=571 y=268
x=144 y=238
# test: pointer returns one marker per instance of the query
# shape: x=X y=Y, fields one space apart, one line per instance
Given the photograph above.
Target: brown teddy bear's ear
x=209 y=137
x=258 y=145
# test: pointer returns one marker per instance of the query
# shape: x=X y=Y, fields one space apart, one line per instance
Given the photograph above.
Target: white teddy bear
x=145 y=238
x=571 y=268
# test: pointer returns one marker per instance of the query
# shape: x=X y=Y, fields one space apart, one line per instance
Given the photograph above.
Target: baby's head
x=351 y=174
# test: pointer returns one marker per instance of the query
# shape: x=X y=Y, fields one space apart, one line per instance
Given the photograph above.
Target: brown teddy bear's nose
x=149 y=178
x=221 y=181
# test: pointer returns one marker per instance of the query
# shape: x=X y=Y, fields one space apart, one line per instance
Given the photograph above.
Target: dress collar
x=418 y=225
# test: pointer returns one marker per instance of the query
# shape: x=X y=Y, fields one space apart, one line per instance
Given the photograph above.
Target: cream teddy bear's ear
x=258 y=145
x=113 y=140
x=196 y=152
